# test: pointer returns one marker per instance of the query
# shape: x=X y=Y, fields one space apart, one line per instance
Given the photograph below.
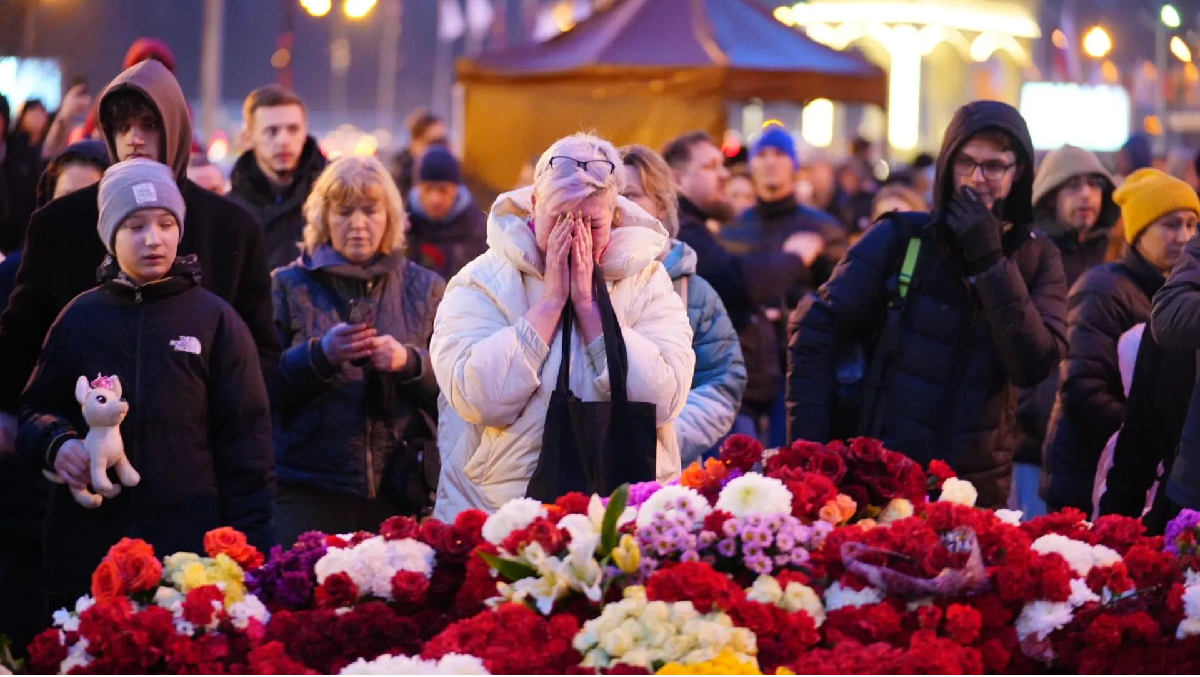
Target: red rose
x=399 y=528
x=46 y=653
x=272 y=659
x=202 y=603
x=827 y=463
x=433 y=532
x=107 y=583
x=446 y=580
x=409 y=588
x=541 y=531
x=337 y=591
x=741 y=452
x=963 y=623
x=715 y=522
x=695 y=582
x=574 y=503
x=929 y=617
x=866 y=450
x=782 y=636
x=471 y=520
x=857 y=493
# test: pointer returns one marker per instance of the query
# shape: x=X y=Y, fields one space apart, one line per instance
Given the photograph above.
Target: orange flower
x=838 y=511
x=716 y=469
x=231 y=542
x=694 y=476
x=135 y=561
x=107 y=584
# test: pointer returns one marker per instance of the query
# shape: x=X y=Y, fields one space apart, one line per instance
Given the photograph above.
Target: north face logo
x=186 y=344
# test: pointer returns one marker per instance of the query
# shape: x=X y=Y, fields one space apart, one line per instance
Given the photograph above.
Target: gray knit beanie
x=134 y=185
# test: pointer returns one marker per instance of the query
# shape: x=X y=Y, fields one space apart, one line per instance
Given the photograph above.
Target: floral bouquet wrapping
x=845 y=558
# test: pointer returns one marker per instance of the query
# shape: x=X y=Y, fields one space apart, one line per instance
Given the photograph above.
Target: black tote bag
x=595 y=447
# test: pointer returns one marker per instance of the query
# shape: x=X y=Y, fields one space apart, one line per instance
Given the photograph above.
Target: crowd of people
x=319 y=345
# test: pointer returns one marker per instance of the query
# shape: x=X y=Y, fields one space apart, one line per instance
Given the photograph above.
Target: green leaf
x=608 y=528
x=509 y=568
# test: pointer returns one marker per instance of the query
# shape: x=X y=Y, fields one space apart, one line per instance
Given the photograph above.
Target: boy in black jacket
x=198 y=428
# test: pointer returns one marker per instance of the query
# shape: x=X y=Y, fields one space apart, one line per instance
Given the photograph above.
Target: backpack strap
x=910 y=265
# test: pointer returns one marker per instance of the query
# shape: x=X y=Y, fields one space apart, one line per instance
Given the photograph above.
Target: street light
x=317 y=7
x=1169 y=16
x=1096 y=43
x=1180 y=49
x=357 y=9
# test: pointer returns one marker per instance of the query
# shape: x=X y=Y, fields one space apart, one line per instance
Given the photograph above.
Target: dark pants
x=22 y=611
x=299 y=509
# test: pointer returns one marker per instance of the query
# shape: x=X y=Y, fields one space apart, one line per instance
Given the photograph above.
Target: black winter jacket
x=1090 y=405
x=338 y=426
x=966 y=340
x=280 y=214
x=198 y=429
x=745 y=282
x=1163 y=380
x=1175 y=321
x=446 y=245
x=20 y=169
x=1034 y=405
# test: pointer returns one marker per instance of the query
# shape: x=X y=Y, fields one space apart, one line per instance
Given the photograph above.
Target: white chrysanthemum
x=1187 y=628
x=754 y=494
x=838 y=597
x=515 y=514
x=674 y=500
x=766 y=590
x=959 y=491
x=1081 y=594
x=250 y=608
x=1191 y=577
x=1012 y=517
x=387 y=664
x=77 y=657
x=1041 y=618
x=800 y=597
x=1081 y=556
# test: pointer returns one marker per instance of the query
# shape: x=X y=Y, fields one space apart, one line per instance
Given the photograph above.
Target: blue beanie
x=779 y=138
x=438 y=165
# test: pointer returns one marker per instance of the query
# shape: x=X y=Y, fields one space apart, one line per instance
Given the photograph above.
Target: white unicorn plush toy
x=103 y=410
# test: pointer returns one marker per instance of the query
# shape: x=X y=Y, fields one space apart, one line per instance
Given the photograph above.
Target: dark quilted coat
x=1090 y=405
x=337 y=426
x=967 y=340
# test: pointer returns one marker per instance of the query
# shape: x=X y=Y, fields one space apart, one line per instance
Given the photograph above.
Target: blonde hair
x=567 y=183
x=347 y=178
x=657 y=182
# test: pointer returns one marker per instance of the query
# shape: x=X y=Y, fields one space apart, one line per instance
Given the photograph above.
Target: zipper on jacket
x=137 y=365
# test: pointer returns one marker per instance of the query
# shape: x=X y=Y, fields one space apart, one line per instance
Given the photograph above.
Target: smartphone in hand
x=364 y=312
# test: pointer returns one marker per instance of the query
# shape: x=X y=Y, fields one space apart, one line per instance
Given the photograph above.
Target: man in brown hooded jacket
x=143 y=113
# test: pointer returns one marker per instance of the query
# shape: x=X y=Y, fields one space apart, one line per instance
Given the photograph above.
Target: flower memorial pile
x=841 y=559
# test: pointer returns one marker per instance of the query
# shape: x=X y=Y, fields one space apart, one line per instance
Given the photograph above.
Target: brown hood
x=152 y=80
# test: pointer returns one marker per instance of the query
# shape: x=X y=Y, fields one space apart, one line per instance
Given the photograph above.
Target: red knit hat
x=149 y=48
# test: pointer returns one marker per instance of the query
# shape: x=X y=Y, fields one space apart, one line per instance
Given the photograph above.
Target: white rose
x=800 y=597
x=617 y=643
x=766 y=590
x=959 y=491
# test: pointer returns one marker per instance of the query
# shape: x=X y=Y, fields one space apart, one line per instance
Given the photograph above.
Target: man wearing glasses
x=1073 y=206
x=953 y=312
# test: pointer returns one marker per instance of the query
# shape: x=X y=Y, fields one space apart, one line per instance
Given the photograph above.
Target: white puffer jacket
x=496 y=374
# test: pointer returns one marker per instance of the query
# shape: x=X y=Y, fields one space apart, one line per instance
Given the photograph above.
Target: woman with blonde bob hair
x=720 y=378
x=497 y=343
x=354 y=396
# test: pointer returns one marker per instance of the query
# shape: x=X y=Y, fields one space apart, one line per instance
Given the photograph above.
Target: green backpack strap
x=910 y=264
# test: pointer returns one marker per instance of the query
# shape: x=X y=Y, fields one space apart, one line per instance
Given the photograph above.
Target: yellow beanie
x=1149 y=194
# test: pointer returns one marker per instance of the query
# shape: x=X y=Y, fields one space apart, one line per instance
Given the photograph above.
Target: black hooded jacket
x=63 y=248
x=1090 y=405
x=446 y=245
x=198 y=429
x=1175 y=322
x=279 y=213
x=967 y=339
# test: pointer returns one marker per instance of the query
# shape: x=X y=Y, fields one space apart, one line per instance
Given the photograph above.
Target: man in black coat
x=983 y=313
x=143 y=113
x=447 y=229
x=745 y=282
x=1073 y=206
x=1159 y=214
x=776 y=223
x=274 y=177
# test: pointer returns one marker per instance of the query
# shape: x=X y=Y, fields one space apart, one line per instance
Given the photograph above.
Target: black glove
x=976 y=228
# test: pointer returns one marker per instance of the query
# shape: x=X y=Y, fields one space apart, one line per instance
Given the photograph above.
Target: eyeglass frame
x=964 y=160
x=583 y=164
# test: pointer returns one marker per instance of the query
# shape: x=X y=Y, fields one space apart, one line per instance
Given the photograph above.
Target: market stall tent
x=645 y=71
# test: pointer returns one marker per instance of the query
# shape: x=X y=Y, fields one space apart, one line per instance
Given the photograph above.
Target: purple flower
x=1187 y=519
x=759 y=564
x=751 y=550
x=799 y=557
x=782 y=560
x=638 y=493
x=706 y=540
x=731 y=527
x=288 y=578
x=727 y=547
x=689 y=556
x=785 y=541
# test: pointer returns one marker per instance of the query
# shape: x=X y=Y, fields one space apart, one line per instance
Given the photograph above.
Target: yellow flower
x=627 y=556
x=896 y=510
x=193 y=575
x=726 y=663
